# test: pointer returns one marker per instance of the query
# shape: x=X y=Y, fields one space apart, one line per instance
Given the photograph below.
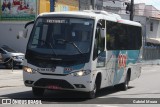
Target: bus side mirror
x=103 y=33
x=23 y=33
x=29 y=23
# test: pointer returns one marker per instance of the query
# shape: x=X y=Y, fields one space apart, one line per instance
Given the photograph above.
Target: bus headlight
x=81 y=73
x=27 y=69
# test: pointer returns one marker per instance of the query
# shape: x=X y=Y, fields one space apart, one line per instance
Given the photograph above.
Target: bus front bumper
x=55 y=82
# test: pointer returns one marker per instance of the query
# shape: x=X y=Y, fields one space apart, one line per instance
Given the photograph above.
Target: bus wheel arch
x=96 y=87
x=129 y=73
x=98 y=80
x=124 y=86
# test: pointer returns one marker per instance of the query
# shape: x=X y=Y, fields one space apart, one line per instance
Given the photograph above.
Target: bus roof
x=92 y=14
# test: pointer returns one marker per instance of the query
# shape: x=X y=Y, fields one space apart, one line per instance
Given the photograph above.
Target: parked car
x=11 y=58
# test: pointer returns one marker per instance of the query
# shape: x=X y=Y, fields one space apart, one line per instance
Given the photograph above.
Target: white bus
x=81 y=51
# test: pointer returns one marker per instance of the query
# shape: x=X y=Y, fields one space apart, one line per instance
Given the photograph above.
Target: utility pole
x=93 y=4
x=132 y=10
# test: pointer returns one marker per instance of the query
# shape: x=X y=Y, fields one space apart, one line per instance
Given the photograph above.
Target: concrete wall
x=84 y=4
x=140 y=9
x=8 y=35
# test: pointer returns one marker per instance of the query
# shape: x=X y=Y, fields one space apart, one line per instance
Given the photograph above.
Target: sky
x=155 y=3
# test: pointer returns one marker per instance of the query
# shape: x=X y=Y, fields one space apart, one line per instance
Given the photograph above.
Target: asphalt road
x=147 y=86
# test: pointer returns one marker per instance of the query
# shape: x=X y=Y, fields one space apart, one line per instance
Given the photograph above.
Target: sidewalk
x=151 y=62
x=10 y=79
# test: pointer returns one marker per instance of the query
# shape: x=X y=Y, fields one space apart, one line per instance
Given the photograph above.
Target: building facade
x=116 y=6
x=85 y=4
x=15 y=13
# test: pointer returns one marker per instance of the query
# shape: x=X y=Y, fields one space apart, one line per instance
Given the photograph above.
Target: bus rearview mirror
x=23 y=33
x=103 y=33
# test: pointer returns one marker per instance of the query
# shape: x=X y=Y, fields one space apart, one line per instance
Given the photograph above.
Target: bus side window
x=117 y=36
x=99 y=42
x=111 y=35
x=123 y=37
x=95 y=51
x=99 y=45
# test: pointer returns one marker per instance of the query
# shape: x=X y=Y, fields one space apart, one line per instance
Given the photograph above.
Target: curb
x=150 y=62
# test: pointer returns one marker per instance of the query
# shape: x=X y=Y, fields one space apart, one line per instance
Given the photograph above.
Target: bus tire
x=38 y=92
x=97 y=84
x=92 y=94
x=124 y=86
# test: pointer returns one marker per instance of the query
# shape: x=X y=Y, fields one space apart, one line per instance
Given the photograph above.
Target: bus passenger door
x=99 y=54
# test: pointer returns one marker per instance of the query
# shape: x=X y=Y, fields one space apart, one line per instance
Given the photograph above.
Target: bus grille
x=47 y=82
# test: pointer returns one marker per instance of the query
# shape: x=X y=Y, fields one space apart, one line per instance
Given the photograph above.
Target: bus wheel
x=92 y=94
x=124 y=86
x=38 y=91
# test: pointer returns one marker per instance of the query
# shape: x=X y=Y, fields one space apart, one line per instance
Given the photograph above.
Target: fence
x=151 y=53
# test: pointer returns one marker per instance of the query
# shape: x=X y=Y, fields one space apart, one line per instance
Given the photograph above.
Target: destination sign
x=56 y=21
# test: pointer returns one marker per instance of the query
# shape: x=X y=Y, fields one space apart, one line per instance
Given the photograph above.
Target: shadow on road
x=51 y=96
x=109 y=90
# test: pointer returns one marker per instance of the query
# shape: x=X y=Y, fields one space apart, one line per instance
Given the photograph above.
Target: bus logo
x=122 y=60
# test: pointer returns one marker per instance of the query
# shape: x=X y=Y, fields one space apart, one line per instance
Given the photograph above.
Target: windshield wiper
x=49 y=44
x=65 y=41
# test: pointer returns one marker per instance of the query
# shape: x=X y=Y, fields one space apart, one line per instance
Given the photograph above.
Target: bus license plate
x=54 y=87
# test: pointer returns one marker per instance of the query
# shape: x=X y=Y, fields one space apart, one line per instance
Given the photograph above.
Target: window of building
x=151 y=26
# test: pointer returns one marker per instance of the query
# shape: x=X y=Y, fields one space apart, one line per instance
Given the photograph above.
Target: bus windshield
x=61 y=36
